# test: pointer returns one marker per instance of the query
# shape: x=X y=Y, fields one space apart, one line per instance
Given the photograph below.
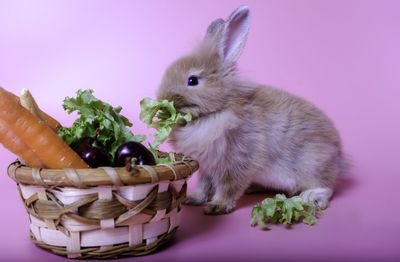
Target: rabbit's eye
x=193 y=81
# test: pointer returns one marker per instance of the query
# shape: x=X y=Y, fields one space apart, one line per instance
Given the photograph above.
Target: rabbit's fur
x=244 y=133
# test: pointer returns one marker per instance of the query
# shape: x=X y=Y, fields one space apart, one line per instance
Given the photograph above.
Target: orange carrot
x=15 y=145
x=39 y=137
x=51 y=122
x=29 y=103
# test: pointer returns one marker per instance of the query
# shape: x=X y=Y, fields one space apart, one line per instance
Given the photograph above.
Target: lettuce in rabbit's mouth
x=163 y=116
x=183 y=107
x=189 y=109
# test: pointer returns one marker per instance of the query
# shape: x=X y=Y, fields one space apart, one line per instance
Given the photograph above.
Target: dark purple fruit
x=83 y=144
x=90 y=151
x=95 y=157
x=133 y=150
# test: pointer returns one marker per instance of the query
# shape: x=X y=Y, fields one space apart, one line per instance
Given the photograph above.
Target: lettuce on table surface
x=283 y=210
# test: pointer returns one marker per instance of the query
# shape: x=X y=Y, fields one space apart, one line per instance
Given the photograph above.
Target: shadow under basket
x=104 y=212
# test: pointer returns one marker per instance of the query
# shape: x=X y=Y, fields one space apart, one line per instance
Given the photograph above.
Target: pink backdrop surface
x=344 y=56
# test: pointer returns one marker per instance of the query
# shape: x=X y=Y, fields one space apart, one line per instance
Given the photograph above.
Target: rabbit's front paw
x=218 y=209
x=319 y=196
x=194 y=201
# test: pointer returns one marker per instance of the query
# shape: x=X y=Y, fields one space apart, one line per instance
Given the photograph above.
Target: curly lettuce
x=283 y=210
x=99 y=120
x=161 y=115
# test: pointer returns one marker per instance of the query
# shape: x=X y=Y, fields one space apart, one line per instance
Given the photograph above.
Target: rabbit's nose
x=178 y=100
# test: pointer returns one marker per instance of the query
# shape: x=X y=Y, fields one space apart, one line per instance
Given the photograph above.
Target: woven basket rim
x=181 y=168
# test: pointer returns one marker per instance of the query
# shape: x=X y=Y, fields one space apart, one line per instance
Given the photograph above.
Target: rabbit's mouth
x=196 y=112
x=188 y=108
x=180 y=103
x=185 y=107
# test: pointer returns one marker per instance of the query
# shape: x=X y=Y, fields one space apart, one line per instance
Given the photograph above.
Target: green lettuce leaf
x=283 y=210
x=99 y=120
x=162 y=116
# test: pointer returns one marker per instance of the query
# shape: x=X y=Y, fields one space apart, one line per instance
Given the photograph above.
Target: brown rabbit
x=244 y=133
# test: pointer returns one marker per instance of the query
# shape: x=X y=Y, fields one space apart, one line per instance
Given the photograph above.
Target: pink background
x=341 y=55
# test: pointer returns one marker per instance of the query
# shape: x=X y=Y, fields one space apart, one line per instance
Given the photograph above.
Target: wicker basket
x=103 y=212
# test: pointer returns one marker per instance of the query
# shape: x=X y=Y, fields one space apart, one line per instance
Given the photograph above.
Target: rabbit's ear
x=234 y=35
x=215 y=29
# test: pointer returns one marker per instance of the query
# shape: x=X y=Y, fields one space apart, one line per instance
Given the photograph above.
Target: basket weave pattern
x=107 y=221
